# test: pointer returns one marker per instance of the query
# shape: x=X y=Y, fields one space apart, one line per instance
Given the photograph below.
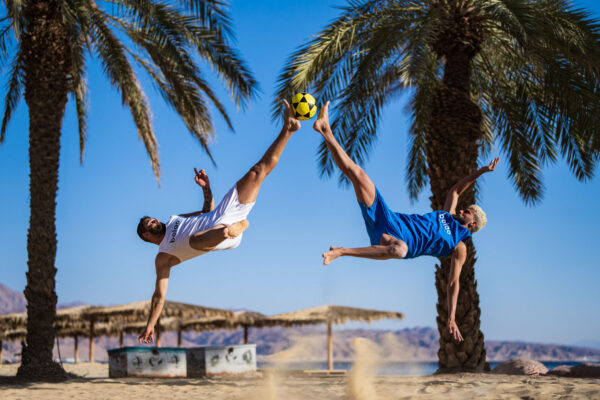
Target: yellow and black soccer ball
x=304 y=106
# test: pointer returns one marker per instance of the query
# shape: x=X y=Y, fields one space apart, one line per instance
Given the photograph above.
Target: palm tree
x=46 y=44
x=521 y=75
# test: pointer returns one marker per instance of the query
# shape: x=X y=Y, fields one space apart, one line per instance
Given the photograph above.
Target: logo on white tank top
x=174 y=231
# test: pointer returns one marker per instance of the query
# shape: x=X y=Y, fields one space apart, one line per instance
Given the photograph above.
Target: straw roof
x=65 y=317
x=329 y=314
x=134 y=312
x=14 y=334
x=13 y=321
x=251 y=318
x=110 y=321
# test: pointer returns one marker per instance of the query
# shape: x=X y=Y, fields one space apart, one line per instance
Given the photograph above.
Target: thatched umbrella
x=329 y=315
x=62 y=330
x=11 y=322
x=138 y=312
x=10 y=335
x=246 y=319
x=70 y=318
x=82 y=328
x=95 y=321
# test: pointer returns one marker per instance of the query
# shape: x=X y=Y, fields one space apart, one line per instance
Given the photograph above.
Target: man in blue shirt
x=397 y=235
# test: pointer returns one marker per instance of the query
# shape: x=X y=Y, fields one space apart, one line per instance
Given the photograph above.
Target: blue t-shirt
x=433 y=234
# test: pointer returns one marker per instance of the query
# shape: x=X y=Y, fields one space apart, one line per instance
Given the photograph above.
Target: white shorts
x=230 y=211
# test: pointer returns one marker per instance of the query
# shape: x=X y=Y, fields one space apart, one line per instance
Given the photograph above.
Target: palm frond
x=547 y=90
x=14 y=91
x=13 y=12
x=76 y=17
x=118 y=69
x=202 y=30
x=179 y=81
x=230 y=68
x=5 y=44
x=213 y=14
x=327 y=62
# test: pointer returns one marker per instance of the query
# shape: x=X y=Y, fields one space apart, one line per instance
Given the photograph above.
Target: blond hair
x=479 y=216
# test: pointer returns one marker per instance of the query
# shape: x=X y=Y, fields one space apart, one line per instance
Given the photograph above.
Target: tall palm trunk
x=453 y=136
x=46 y=63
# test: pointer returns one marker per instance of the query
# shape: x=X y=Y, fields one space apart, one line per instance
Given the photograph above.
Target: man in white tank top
x=186 y=236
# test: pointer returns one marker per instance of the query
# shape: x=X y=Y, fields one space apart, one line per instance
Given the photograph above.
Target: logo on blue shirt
x=445 y=224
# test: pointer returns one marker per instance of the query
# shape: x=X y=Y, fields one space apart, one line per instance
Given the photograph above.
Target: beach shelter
x=9 y=336
x=94 y=321
x=67 y=319
x=244 y=319
x=135 y=315
x=62 y=329
x=247 y=319
x=329 y=315
x=163 y=325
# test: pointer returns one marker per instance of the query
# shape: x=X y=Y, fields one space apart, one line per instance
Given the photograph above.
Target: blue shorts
x=379 y=219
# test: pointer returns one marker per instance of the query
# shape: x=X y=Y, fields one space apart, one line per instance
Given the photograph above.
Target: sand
x=95 y=384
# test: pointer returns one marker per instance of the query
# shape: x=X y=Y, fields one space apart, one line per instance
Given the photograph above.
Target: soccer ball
x=304 y=106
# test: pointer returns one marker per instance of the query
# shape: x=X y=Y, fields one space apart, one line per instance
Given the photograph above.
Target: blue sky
x=537 y=272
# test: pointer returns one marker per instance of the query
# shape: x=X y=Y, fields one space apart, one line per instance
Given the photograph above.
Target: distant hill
x=11 y=301
x=309 y=343
x=14 y=302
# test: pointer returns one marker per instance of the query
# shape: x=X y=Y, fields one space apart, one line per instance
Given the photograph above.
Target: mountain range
x=309 y=343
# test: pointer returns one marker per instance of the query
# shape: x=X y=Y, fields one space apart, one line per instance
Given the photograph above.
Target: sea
x=395 y=368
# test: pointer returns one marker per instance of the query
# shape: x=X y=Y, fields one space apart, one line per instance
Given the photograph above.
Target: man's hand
x=147 y=336
x=453 y=328
x=290 y=123
x=491 y=167
x=201 y=179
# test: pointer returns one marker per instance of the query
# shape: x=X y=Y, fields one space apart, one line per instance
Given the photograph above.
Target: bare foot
x=234 y=230
x=331 y=255
x=321 y=125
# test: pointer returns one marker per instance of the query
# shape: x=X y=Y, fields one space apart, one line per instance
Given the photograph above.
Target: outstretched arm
x=163 y=269
x=201 y=179
x=464 y=183
x=459 y=256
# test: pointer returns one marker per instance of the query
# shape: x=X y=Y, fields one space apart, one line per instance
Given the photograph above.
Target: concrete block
x=221 y=360
x=154 y=362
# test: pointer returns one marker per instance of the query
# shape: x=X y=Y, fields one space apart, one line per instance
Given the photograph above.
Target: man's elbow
x=158 y=297
x=452 y=285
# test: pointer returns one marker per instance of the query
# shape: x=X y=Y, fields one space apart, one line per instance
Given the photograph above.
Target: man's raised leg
x=363 y=186
x=209 y=239
x=389 y=247
x=249 y=185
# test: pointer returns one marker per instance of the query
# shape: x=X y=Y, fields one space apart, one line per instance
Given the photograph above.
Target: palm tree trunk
x=453 y=136
x=44 y=46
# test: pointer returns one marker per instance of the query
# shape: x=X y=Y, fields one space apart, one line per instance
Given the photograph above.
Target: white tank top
x=179 y=230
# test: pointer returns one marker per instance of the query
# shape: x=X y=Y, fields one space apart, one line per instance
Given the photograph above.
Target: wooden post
x=75 y=349
x=329 y=347
x=1 y=351
x=245 y=334
x=158 y=334
x=91 y=353
x=179 y=337
x=121 y=339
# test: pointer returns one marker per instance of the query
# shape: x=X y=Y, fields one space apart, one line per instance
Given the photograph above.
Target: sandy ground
x=95 y=384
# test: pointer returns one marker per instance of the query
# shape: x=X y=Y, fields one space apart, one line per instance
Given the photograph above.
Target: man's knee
x=398 y=250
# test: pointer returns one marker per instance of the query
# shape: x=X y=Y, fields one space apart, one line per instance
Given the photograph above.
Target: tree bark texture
x=46 y=63
x=453 y=138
